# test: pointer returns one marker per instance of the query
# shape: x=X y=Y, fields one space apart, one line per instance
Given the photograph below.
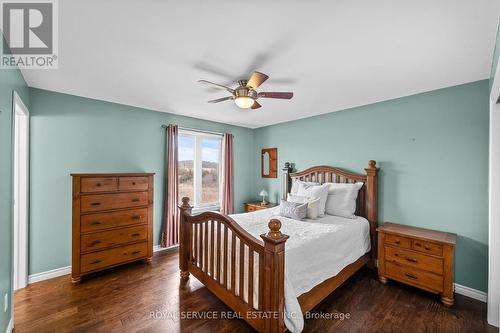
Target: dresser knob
x=133 y=183
x=411 y=259
x=427 y=247
x=95 y=204
x=136 y=217
x=136 y=252
x=136 y=234
x=397 y=241
x=95 y=262
x=94 y=243
x=95 y=223
x=136 y=200
x=98 y=184
x=411 y=276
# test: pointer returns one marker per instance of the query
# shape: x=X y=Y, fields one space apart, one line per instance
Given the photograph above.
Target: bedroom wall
x=10 y=80
x=496 y=55
x=432 y=150
x=71 y=134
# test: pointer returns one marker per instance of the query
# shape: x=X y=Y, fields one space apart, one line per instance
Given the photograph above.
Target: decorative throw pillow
x=296 y=184
x=293 y=210
x=315 y=191
x=312 y=205
x=341 y=200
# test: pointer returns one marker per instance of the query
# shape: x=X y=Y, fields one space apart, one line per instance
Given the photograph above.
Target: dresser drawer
x=133 y=183
x=99 y=221
x=427 y=247
x=416 y=277
x=414 y=259
x=398 y=241
x=97 y=202
x=96 y=260
x=104 y=239
x=103 y=184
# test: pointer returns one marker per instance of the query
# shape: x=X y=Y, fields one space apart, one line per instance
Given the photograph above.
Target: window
x=199 y=169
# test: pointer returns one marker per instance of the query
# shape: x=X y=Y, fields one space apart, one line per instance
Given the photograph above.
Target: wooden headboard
x=367 y=198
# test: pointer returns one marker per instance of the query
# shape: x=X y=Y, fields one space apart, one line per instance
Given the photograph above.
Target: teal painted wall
x=10 y=80
x=432 y=150
x=73 y=134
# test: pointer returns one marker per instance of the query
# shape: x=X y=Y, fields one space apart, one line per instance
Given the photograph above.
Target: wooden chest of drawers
x=112 y=221
x=419 y=257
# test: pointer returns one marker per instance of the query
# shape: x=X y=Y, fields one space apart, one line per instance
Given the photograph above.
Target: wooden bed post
x=274 y=279
x=371 y=207
x=286 y=180
x=185 y=209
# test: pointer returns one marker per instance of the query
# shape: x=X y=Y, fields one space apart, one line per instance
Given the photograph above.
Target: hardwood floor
x=149 y=298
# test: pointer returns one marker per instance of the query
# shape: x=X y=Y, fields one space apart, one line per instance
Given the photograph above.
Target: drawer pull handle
x=94 y=243
x=136 y=234
x=133 y=183
x=411 y=276
x=95 y=262
x=98 y=184
x=427 y=247
x=397 y=241
x=136 y=217
x=95 y=204
x=136 y=252
x=95 y=223
x=418 y=244
x=136 y=200
x=411 y=259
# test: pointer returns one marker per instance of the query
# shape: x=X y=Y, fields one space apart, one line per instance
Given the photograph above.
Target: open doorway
x=20 y=132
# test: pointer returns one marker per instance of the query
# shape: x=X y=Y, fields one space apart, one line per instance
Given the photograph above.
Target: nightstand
x=256 y=205
x=419 y=257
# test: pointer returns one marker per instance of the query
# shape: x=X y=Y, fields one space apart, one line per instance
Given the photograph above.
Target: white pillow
x=315 y=191
x=341 y=200
x=296 y=184
x=312 y=204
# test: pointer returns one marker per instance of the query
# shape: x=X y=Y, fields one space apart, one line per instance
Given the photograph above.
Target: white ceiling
x=332 y=54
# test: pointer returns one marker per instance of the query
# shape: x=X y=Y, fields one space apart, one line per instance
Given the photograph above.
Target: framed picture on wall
x=269 y=163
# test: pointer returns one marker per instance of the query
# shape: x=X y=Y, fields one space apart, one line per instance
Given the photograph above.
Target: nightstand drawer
x=414 y=259
x=398 y=241
x=414 y=276
x=250 y=208
x=427 y=247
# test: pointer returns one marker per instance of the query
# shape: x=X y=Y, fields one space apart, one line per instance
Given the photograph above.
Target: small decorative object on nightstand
x=419 y=257
x=253 y=206
x=263 y=194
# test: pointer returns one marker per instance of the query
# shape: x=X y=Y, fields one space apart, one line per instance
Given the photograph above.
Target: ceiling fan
x=245 y=96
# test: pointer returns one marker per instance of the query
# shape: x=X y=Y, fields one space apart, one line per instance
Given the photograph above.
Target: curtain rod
x=195 y=130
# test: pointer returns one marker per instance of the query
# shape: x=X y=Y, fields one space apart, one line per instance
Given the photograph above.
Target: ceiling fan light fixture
x=244 y=102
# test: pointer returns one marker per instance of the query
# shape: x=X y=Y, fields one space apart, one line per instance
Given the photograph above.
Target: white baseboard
x=49 y=274
x=67 y=270
x=472 y=293
x=10 y=327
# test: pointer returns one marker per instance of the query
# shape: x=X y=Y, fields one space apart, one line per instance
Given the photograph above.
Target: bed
x=269 y=282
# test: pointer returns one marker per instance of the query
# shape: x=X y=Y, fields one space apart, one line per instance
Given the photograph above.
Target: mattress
x=316 y=251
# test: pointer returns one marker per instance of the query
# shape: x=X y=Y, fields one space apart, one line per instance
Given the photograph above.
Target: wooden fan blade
x=217 y=85
x=280 y=95
x=256 y=105
x=221 y=99
x=256 y=79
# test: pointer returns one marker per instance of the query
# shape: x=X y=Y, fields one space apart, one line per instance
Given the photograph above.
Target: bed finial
x=185 y=202
x=372 y=164
x=274 y=229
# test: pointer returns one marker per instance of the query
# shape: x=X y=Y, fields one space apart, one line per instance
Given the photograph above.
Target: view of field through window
x=209 y=173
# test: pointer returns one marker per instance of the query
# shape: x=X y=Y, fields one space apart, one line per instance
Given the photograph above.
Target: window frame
x=198 y=169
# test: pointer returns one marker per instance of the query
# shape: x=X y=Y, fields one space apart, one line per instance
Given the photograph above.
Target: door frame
x=20 y=191
x=494 y=208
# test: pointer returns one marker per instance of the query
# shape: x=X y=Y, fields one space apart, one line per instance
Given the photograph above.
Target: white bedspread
x=316 y=251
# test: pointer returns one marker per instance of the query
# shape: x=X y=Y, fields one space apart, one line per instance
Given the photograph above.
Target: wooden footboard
x=244 y=272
